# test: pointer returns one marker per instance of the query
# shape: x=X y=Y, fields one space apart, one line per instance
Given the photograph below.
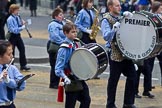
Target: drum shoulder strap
x=66 y=45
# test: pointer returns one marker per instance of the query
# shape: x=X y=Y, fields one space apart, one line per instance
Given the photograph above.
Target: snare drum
x=88 y=61
x=140 y=36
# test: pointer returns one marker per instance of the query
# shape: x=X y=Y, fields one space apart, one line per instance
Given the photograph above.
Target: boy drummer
x=62 y=69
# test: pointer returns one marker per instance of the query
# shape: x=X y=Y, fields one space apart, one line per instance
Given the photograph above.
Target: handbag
x=8 y=35
x=75 y=86
x=53 y=47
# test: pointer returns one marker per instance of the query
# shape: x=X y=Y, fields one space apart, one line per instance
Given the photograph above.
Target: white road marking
x=154 y=79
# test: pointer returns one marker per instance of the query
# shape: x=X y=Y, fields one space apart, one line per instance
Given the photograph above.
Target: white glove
x=116 y=26
x=67 y=80
x=136 y=67
x=127 y=14
x=23 y=27
x=89 y=32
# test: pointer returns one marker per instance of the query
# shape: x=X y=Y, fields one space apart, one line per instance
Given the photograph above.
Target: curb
x=34 y=60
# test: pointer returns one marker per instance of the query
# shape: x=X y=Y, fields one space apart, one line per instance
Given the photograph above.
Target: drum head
x=83 y=64
x=136 y=37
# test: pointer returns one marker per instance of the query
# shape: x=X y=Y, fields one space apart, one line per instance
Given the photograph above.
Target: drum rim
x=82 y=48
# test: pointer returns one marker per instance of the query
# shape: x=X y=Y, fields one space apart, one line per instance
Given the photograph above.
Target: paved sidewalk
x=38 y=95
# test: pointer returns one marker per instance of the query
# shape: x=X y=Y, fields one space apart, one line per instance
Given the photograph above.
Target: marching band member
x=15 y=25
x=74 y=89
x=147 y=68
x=118 y=64
x=56 y=37
x=84 y=21
x=8 y=83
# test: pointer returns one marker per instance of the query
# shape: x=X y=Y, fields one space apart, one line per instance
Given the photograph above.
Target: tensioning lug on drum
x=115 y=43
x=123 y=55
x=134 y=12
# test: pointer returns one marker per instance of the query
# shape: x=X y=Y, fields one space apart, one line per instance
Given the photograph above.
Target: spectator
x=3 y=16
x=143 y=5
x=21 y=3
x=33 y=7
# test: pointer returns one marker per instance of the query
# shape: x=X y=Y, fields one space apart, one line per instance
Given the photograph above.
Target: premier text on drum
x=137 y=22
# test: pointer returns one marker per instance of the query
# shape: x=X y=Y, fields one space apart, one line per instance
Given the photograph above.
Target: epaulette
x=66 y=45
x=109 y=18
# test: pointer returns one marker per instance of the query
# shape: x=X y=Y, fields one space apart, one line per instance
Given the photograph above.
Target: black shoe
x=112 y=107
x=129 y=106
x=138 y=96
x=153 y=87
x=24 y=68
x=96 y=77
x=53 y=87
x=148 y=94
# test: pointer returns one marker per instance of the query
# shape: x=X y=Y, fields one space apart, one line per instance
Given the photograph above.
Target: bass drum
x=88 y=61
x=140 y=36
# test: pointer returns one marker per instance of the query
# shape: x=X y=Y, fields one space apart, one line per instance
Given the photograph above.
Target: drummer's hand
x=116 y=26
x=127 y=14
x=67 y=80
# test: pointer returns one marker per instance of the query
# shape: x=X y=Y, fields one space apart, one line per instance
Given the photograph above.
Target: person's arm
x=107 y=32
x=12 y=27
x=54 y=34
x=13 y=80
x=78 y=22
x=61 y=62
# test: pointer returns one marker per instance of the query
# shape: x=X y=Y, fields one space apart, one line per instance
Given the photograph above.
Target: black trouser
x=10 y=106
x=146 y=70
x=82 y=96
x=21 y=3
x=2 y=33
x=17 y=41
x=2 y=24
x=54 y=80
x=159 y=57
x=116 y=68
x=86 y=39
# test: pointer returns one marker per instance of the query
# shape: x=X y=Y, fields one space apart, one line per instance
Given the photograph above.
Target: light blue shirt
x=14 y=76
x=63 y=57
x=83 y=21
x=14 y=24
x=55 y=30
x=107 y=32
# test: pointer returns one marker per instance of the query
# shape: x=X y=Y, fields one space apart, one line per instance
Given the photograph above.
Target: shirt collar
x=69 y=41
x=58 y=21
